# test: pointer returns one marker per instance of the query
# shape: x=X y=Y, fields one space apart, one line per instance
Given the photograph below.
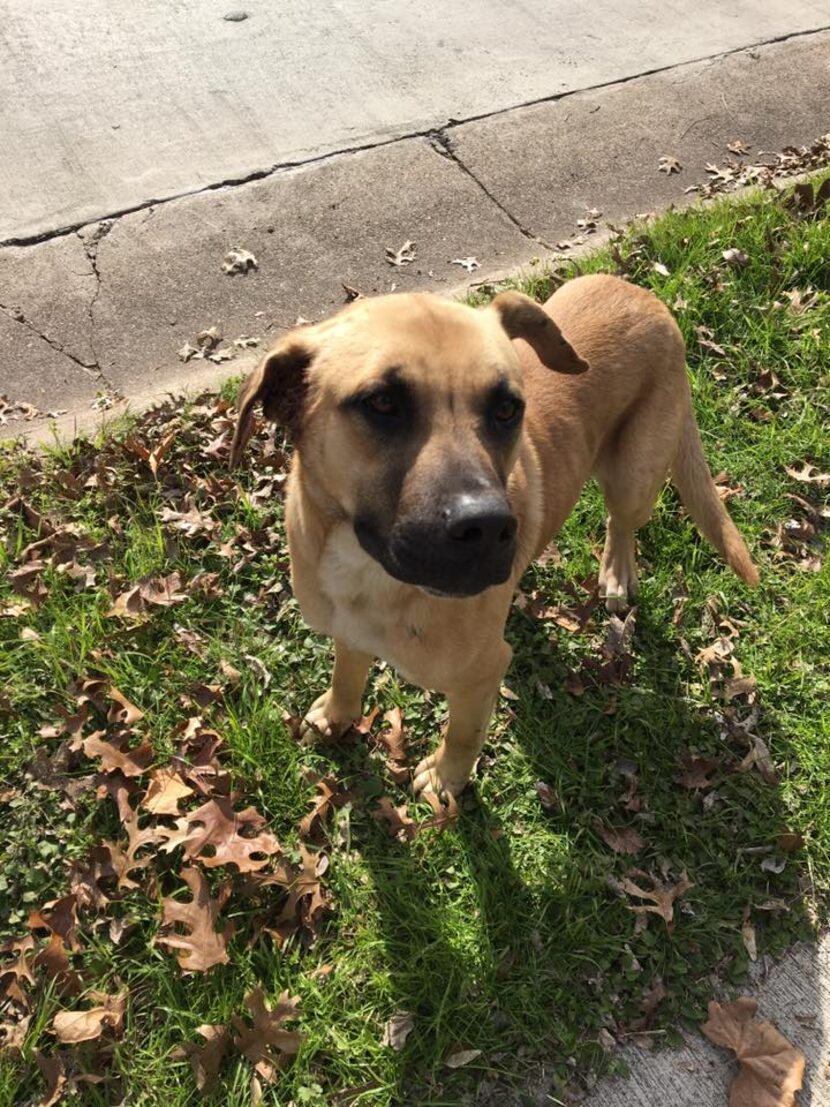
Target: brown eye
x=506 y=410
x=381 y=403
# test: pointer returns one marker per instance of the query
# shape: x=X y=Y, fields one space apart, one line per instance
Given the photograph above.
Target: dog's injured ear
x=280 y=383
x=523 y=318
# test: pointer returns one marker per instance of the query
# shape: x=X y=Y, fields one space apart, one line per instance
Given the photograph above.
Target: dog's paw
x=434 y=774
x=324 y=720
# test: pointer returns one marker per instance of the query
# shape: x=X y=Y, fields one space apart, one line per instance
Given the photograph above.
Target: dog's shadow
x=557 y=962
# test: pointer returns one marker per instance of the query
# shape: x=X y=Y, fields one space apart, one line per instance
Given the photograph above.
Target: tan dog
x=439 y=448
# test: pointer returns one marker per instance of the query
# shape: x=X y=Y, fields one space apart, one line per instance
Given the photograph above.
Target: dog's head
x=407 y=414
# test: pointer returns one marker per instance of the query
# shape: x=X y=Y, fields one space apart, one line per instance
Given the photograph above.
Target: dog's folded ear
x=280 y=383
x=523 y=318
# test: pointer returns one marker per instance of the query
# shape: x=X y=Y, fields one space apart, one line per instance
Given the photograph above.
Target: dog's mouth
x=414 y=555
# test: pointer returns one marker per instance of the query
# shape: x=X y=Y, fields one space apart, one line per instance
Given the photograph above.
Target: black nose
x=479 y=522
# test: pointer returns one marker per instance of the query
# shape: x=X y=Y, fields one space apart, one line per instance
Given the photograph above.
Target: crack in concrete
x=442 y=144
x=17 y=316
x=90 y=244
x=430 y=133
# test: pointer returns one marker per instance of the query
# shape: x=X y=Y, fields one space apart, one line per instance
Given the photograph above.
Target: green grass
x=503 y=933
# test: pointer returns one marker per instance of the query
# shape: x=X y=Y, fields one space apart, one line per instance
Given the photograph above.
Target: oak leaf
x=621 y=839
x=771 y=1069
x=266 y=1043
x=662 y=899
x=202 y=946
x=206 y=1060
x=71 y=1027
x=115 y=755
x=165 y=792
x=227 y=833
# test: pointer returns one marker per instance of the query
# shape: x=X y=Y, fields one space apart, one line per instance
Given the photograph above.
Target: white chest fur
x=362 y=594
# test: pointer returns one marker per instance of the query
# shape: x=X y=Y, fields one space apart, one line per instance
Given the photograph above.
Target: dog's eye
x=381 y=403
x=506 y=410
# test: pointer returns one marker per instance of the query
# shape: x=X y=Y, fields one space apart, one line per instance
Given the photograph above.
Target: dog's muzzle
x=467 y=545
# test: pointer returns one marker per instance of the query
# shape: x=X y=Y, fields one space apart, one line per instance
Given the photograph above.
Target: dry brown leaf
x=114 y=754
x=624 y=839
x=229 y=834
x=772 y=1069
x=668 y=165
x=696 y=770
x=547 y=796
x=759 y=757
x=748 y=935
x=330 y=796
x=202 y=946
x=123 y=712
x=397 y=1030
x=396 y=819
x=404 y=256
x=461 y=1058
x=662 y=899
x=238 y=260
x=266 y=1044
x=52 y=1070
x=206 y=1060
x=165 y=792
x=809 y=474
x=71 y=1027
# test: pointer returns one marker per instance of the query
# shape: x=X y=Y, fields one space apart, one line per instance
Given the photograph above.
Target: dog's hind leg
x=333 y=713
x=471 y=707
x=631 y=472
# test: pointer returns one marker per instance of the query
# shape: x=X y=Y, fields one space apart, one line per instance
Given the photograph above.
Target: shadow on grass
x=509 y=934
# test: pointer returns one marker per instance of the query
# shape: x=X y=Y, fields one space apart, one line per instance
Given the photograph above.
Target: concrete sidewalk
x=107 y=307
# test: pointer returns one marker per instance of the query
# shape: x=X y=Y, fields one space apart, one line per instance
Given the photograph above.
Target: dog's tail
x=692 y=479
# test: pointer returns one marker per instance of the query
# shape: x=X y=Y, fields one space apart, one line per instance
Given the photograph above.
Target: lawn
x=153 y=658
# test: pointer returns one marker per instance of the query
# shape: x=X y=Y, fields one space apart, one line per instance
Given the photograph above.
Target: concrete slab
x=600 y=149
x=310 y=229
x=794 y=995
x=106 y=105
x=52 y=287
x=36 y=373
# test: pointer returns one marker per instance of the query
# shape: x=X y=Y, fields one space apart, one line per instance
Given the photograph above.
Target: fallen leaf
x=397 y=1030
x=396 y=819
x=662 y=898
x=206 y=1060
x=469 y=264
x=790 y=841
x=71 y=1027
x=738 y=147
x=667 y=164
x=760 y=758
x=238 y=260
x=165 y=792
x=187 y=352
x=461 y=1058
x=393 y=741
x=228 y=834
x=624 y=840
x=748 y=936
x=696 y=770
x=404 y=256
x=547 y=796
x=662 y=269
x=809 y=474
x=202 y=946
x=115 y=755
x=735 y=257
x=771 y=1068
x=266 y=1043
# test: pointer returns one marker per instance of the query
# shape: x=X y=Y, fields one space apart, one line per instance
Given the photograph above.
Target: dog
x=439 y=449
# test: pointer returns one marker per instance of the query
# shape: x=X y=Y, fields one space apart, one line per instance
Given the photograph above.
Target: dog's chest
x=366 y=603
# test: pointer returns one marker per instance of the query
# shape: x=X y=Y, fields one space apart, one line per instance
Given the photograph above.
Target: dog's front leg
x=333 y=713
x=471 y=707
